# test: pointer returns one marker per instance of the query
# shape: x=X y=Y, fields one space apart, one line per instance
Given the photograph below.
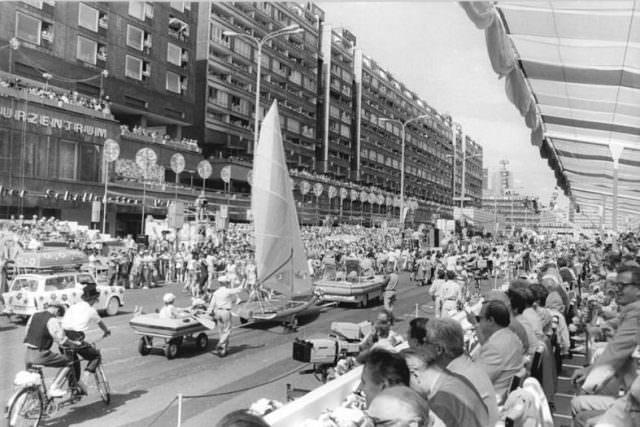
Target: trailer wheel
x=143 y=348
x=171 y=350
x=202 y=341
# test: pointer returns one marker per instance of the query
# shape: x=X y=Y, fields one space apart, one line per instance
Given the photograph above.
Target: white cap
x=168 y=298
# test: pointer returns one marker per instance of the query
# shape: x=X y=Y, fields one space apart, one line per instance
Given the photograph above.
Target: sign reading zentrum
x=51 y=121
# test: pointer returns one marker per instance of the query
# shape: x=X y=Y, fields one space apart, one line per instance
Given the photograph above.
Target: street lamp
x=290 y=29
x=403 y=125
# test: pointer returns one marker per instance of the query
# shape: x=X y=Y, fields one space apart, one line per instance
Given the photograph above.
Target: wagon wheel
x=202 y=341
x=144 y=347
x=171 y=350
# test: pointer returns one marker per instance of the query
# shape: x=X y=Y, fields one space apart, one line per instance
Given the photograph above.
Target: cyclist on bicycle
x=43 y=329
x=77 y=320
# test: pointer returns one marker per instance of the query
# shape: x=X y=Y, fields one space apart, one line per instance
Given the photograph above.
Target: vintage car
x=48 y=276
x=356 y=284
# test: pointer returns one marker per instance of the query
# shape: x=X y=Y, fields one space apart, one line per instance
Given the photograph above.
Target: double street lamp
x=290 y=29
x=403 y=125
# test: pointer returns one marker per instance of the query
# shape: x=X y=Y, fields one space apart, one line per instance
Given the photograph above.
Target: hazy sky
x=439 y=54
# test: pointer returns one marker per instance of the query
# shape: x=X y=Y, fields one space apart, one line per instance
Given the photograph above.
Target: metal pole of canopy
x=616 y=151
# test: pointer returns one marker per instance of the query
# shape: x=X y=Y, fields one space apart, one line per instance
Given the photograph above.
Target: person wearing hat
x=76 y=322
x=169 y=311
x=43 y=329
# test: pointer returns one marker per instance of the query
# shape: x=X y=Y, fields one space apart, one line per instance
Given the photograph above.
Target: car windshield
x=24 y=284
x=59 y=283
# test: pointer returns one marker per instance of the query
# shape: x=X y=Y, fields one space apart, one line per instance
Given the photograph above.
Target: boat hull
x=353 y=292
x=280 y=308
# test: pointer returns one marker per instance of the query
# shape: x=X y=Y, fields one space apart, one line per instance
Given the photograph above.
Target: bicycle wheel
x=27 y=408
x=103 y=385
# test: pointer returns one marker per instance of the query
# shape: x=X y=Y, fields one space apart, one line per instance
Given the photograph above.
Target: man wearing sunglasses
x=615 y=361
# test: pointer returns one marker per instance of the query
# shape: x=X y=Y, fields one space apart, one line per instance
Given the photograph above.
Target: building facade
x=75 y=75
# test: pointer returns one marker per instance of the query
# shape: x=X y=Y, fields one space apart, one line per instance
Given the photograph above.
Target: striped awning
x=572 y=68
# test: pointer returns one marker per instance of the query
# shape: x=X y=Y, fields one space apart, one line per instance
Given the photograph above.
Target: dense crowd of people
x=157 y=136
x=558 y=296
x=60 y=97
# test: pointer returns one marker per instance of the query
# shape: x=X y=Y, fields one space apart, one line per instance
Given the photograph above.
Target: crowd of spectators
x=59 y=96
x=158 y=137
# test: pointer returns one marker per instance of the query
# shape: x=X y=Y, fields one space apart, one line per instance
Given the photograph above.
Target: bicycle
x=32 y=400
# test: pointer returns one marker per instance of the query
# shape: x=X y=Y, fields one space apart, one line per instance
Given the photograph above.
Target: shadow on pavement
x=78 y=412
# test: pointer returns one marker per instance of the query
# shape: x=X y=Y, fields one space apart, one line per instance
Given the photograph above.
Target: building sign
x=52 y=122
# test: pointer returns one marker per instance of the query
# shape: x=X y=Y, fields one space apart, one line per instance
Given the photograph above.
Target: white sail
x=281 y=260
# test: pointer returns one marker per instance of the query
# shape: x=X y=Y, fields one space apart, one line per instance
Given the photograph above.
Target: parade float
x=284 y=288
x=356 y=285
x=168 y=335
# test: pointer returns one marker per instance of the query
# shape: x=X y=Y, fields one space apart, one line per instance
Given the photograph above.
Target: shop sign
x=51 y=122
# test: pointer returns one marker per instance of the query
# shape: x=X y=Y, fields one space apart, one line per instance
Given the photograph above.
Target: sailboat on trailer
x=281 y=260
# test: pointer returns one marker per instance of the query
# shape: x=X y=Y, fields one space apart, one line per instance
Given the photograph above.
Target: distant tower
x=506 y=178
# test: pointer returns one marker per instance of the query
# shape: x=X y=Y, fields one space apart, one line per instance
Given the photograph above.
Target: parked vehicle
x=55 y=277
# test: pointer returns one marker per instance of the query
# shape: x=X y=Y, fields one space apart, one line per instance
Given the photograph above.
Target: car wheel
x=112 y=306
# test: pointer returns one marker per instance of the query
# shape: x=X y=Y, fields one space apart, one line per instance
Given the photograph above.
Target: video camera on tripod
x=325 y=352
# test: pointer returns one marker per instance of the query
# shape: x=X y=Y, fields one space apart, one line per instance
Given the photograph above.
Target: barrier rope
x=239 y=390
x=166 y=408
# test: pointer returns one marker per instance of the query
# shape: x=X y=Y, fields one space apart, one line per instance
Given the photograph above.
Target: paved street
x=144 y=386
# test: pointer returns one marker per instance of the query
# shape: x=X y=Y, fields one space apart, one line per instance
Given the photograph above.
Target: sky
x=437 y=52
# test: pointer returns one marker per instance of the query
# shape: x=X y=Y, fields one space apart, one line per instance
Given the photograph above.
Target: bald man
x=399 y=406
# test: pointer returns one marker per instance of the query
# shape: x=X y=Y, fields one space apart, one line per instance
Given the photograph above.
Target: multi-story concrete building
x=517 y=210
x=77 y=74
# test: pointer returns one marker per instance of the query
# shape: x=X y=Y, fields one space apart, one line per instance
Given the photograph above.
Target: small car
x=31 y=292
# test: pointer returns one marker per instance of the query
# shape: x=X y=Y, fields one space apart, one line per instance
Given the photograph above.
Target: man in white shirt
x=220 y=307
x=76 y=322
x=451 y=293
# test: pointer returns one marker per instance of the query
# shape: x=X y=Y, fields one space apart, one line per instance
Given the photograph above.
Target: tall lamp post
x=290 y=29
x=403 y=125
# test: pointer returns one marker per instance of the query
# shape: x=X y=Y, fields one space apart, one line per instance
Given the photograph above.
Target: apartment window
x=174 y=54
x=135 y=37
x=86 y=50
x=243 y=48
x=173 y=82
x=148 y=10
x=137 y=9
x=28 y=28
x=67 y=158
x=146 y=70
x=177 y=5
x=102 y=53
x=35 y=3
x=178 y=28
x=103 y=20
x=87 y=17
x=133 y=67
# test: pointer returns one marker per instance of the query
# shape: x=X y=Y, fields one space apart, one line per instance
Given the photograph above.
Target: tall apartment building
x=515 y=210
x=137 y=54
x=427 y=142
x=330 y=95
x=226 y=68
